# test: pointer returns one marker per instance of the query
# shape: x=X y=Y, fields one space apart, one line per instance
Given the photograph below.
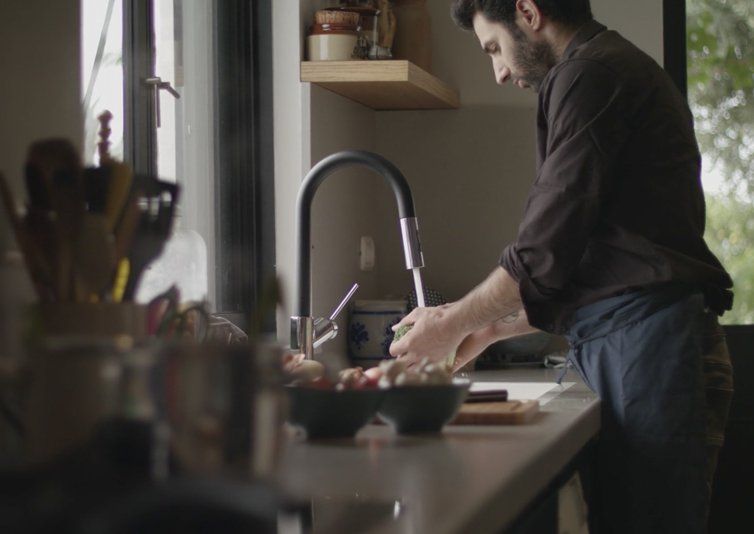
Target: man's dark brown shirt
x=617 y=203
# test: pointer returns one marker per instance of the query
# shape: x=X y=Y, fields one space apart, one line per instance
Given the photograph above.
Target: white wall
x=639 y=21
x=40 y=91
x=39 y=97
x=291 y=139
x=469 y=171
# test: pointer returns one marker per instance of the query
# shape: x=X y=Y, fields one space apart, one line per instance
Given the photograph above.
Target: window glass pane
x=167 y=63
x=102 y=73
x=182 y=33
x=720 y=45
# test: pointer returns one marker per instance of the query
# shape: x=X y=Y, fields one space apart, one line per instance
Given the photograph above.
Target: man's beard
x=533 y=60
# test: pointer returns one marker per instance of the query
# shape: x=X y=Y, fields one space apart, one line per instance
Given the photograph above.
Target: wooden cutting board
x=496 y=413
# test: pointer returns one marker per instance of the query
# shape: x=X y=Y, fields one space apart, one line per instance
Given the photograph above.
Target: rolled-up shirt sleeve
x=582 y=113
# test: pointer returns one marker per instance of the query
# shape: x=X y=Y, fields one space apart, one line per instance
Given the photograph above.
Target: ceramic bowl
x=422 y=409
x=328 y=413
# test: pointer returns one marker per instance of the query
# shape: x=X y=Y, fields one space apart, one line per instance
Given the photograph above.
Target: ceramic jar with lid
x=334 y=36
x=367 y=25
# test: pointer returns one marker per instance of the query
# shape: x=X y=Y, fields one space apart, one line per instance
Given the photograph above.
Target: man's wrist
x=495 y=298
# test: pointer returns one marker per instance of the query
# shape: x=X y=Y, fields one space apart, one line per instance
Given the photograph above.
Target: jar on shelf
x=334 y=36
x=368 y=35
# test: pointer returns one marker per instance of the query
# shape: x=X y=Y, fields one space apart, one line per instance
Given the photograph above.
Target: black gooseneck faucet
x=303 y=331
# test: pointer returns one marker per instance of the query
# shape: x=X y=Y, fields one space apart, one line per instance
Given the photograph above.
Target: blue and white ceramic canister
x=369 y=330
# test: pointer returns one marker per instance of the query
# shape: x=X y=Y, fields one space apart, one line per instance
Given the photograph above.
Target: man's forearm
x=513 y=325
x=494 y=299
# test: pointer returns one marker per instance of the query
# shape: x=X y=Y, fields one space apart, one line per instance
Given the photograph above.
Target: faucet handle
x=343 y=302
x=327 y=329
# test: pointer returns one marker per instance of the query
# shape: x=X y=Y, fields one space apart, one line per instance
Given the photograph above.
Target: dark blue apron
x=641 y=353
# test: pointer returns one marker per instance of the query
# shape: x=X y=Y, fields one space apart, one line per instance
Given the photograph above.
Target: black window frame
x=674 y=42
x=244 y=159
x=139 y=135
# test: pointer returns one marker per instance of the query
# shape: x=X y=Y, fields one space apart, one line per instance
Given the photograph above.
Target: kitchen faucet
x=305 y=332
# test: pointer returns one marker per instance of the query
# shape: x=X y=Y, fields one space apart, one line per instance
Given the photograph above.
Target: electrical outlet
x=366 y=253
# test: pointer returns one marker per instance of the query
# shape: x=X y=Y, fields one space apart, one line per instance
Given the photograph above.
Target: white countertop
x=467 y=479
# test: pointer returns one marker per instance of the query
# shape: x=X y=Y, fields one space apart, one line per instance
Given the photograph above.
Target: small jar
x=367 y=26
x=332 y=42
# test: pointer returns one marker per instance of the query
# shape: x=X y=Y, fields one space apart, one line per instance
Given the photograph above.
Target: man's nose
x=502 y=75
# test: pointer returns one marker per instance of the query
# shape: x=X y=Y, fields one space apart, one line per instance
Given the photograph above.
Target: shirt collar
x=583 y=34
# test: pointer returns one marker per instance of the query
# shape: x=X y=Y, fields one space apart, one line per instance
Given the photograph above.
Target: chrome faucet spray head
x=412 y=248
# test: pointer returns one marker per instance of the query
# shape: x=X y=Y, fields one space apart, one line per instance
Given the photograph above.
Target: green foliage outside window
x=720 y=44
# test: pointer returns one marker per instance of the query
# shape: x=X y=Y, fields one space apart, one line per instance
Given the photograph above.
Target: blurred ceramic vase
x=224 y=407
x=370 y=330
x=74 y=382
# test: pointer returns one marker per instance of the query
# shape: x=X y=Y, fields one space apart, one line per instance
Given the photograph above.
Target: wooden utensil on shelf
x=40 y=231
x=96 y=185
x=36 y=264
x=88 y=234
x=124 y=235
x=55 y=163
x=95 y=260
x=120 y=175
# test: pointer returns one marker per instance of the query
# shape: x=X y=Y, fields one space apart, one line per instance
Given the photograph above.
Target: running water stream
x=419 y=287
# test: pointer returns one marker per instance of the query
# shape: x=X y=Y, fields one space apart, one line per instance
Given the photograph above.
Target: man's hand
x=434 y=335
x=437 y=332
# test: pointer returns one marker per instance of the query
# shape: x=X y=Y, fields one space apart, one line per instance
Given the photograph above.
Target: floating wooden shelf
x=382 y=85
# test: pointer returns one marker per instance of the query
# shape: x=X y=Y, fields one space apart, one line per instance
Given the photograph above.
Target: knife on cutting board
x=489 y=395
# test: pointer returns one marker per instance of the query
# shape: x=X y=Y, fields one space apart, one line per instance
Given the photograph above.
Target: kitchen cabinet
x=382 y=85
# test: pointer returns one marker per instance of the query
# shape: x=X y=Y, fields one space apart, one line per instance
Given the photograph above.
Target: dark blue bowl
x=327 y=413
x=422 y=409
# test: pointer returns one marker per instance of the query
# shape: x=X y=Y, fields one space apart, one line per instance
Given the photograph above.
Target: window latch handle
x=157 y=84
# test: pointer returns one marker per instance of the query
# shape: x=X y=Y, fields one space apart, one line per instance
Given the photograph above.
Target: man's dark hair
x=572 y=13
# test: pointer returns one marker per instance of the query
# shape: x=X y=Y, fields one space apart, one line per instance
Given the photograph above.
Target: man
x=610 y=253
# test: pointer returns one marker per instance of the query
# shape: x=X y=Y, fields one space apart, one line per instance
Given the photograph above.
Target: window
x=720 y=62
x=102 y=73
x=189 y=85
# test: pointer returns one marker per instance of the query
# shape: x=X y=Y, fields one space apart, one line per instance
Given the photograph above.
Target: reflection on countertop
x=354 y=514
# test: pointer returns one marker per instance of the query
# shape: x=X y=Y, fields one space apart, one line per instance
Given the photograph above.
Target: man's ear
x=528 y=15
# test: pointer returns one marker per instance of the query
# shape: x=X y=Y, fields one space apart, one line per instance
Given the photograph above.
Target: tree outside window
x=720 y=48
